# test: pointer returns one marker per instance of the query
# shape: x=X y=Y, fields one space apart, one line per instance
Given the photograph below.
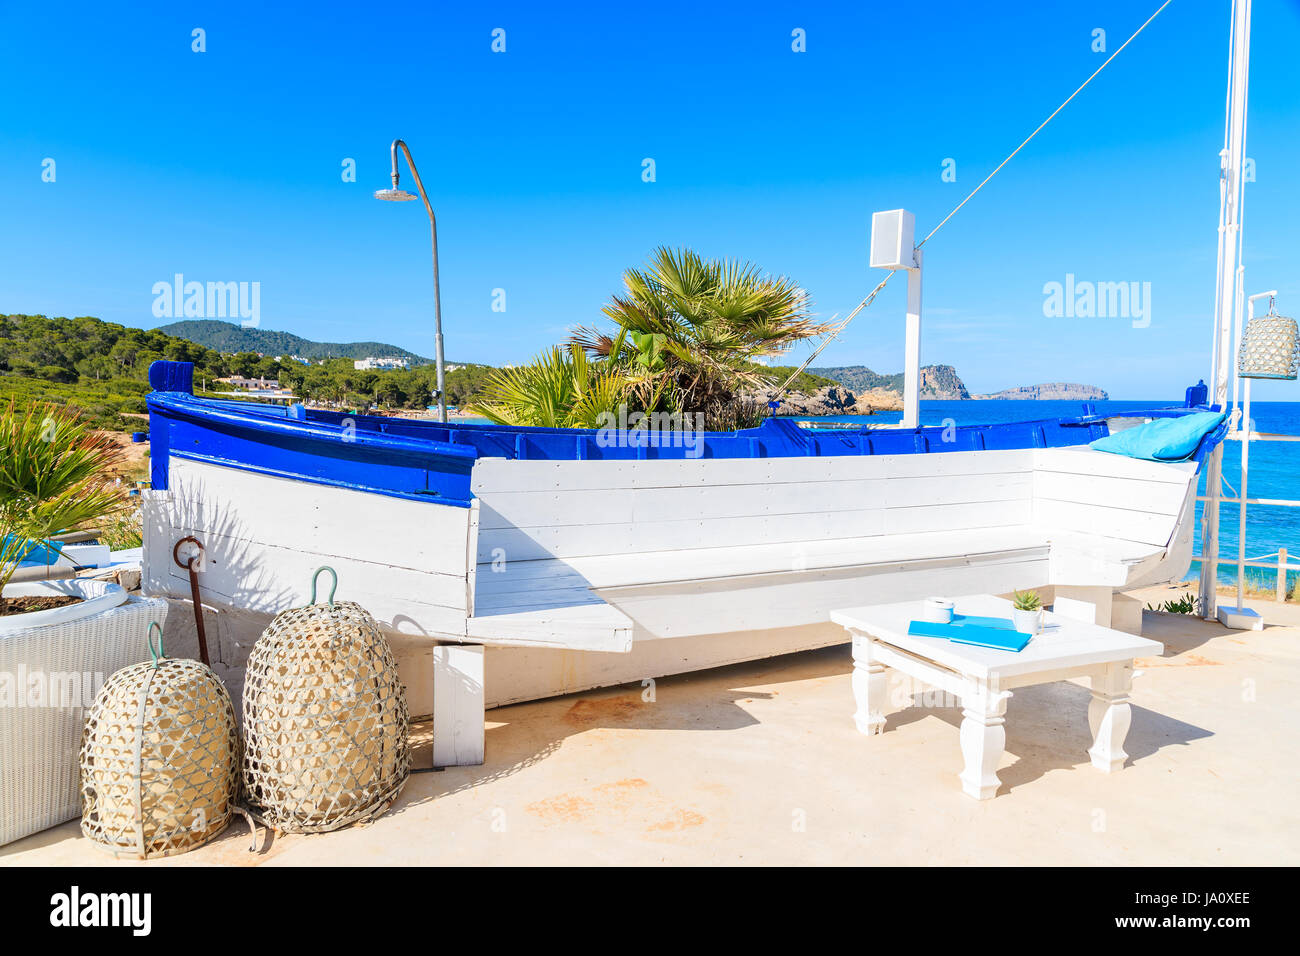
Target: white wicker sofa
x=48 y=678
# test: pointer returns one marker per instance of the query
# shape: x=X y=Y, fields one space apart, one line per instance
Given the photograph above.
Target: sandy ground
x=760 y=763
x=135 y=457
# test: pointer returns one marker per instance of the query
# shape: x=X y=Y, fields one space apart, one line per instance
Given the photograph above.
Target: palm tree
x=561 y=388
x=52 y=478
x=690 y=331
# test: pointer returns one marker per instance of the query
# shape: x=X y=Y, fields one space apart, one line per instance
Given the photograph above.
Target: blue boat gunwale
x=432 y=461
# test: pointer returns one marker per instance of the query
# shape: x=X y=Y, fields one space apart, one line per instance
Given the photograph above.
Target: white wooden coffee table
x=982 y=678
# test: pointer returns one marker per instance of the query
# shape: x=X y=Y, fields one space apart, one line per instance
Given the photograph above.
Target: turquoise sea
x=1274 y=470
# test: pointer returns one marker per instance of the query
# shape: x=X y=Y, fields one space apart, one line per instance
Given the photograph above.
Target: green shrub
x=1186 y=604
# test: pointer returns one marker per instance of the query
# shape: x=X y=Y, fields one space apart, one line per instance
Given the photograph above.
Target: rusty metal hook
x=194 y=591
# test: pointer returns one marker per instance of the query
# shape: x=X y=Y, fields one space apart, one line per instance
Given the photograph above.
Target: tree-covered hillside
x=228 y=337
x=860 y=378
x=937 y=381
x=101 y=369
x=86 y=349
x=336 y=382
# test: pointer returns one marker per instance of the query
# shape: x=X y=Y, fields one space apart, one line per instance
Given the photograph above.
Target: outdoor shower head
x=395 y=194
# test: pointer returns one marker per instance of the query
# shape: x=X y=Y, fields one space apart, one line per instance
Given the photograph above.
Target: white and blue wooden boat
x=554 y=539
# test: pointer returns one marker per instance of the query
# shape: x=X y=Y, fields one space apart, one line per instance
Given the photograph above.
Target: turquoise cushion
x=1162 y=439
x=36 y=552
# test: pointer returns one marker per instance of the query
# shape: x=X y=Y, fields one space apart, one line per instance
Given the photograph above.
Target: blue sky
x=226 y=166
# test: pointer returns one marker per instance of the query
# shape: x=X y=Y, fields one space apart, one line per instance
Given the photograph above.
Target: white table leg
x=1109 y=716
x=982 y=739
x=870 y=687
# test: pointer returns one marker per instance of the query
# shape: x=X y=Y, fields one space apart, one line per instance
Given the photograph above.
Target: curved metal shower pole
x=437 y=292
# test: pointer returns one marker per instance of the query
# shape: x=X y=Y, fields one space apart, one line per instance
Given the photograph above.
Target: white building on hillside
x=377 y=363
x=242 y=383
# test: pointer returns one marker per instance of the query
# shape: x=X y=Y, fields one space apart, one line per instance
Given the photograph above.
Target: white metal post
x=1241 y=507
x=1229 y=226
x=912 y=360
x=1240 y=617
x=892 y=248
x=1245 y=428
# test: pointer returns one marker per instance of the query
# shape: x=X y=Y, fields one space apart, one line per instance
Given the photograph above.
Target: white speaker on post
x=892 y=247
x=892 y=232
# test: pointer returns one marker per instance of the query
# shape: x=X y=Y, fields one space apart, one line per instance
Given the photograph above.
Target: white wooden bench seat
x=568 y=576
x=556 y=582
x=559 y=587
x=523 y=599
x=556 y=554
x=1093 y=560
x=585 y=623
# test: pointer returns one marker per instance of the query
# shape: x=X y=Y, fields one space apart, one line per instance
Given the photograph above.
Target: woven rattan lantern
x=325 y=719
x=159 y=758
x=1270 y=347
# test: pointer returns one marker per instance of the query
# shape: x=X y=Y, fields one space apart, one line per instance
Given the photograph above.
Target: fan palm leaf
x=561 y=388
x=710 y=321
x=53 y=476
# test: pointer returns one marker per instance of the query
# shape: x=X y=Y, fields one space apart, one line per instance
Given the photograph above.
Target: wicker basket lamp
x=325 y=719
x=1270 y=347
x=159 y=758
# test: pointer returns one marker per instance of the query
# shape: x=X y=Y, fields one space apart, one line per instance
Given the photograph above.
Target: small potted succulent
x=1027 y=612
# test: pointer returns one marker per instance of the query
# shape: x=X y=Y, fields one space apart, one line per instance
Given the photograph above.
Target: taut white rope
x=830 y=336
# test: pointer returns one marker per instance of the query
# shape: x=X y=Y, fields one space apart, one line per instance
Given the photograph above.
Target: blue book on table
x=995 y=632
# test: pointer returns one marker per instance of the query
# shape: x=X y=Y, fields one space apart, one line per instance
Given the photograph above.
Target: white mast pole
x=1224 y=308
x=912 y=348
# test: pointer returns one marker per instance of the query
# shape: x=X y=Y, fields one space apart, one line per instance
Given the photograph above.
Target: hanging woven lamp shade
x=1270 y=347
x=325 y=720
x=159 y=758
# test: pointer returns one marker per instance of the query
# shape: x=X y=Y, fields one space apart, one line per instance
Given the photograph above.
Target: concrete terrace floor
x=760 y=764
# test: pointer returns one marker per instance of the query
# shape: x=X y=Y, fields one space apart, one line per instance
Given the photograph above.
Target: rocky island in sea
x=861 y=391
x=1052 y=391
